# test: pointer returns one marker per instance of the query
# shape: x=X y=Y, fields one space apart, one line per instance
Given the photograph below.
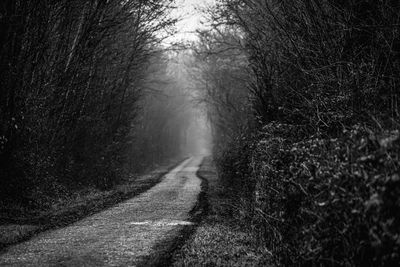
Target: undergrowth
x=316 y=200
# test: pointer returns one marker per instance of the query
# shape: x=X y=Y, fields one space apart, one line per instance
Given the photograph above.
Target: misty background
x=296 y=101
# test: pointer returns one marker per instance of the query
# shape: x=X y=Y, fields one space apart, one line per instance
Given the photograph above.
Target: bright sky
x=188 y=11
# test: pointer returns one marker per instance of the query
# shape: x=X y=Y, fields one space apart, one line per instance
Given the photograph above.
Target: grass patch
x=219 y=239
x=13 y=232
x=18 y=224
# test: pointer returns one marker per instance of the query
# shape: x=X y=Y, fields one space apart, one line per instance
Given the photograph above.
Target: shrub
x=324 y=201
x=234 y=163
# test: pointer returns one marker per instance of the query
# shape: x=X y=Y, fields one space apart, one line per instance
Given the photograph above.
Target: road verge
x=219 y=239
x=17 y=230
x=164 y=251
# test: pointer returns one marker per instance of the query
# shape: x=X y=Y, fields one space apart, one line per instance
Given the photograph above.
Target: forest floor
x=219 y=239
x=18 y=225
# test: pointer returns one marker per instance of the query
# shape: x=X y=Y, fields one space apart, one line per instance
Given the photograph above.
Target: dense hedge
x=324 y=193
x=320 y=201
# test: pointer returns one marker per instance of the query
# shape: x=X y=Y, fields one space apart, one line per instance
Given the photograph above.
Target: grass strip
x=219 y=239
x=17 y=230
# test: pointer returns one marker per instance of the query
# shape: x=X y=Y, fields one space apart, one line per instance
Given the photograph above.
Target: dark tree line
x=320 y=63
x=314 y=165
x=72 y=76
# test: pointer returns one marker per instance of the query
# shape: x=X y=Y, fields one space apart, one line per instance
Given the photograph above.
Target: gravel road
x=120 y=236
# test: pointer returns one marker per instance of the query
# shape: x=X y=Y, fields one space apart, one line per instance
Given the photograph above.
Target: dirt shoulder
x=16 y=229
x=218 y=240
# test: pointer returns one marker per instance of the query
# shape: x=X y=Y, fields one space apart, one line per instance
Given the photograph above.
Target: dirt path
x=120 y=236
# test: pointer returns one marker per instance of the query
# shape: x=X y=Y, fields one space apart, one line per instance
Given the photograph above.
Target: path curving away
x=122 y=235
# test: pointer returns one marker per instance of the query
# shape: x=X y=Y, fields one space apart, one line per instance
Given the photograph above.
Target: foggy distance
x=199 y=133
